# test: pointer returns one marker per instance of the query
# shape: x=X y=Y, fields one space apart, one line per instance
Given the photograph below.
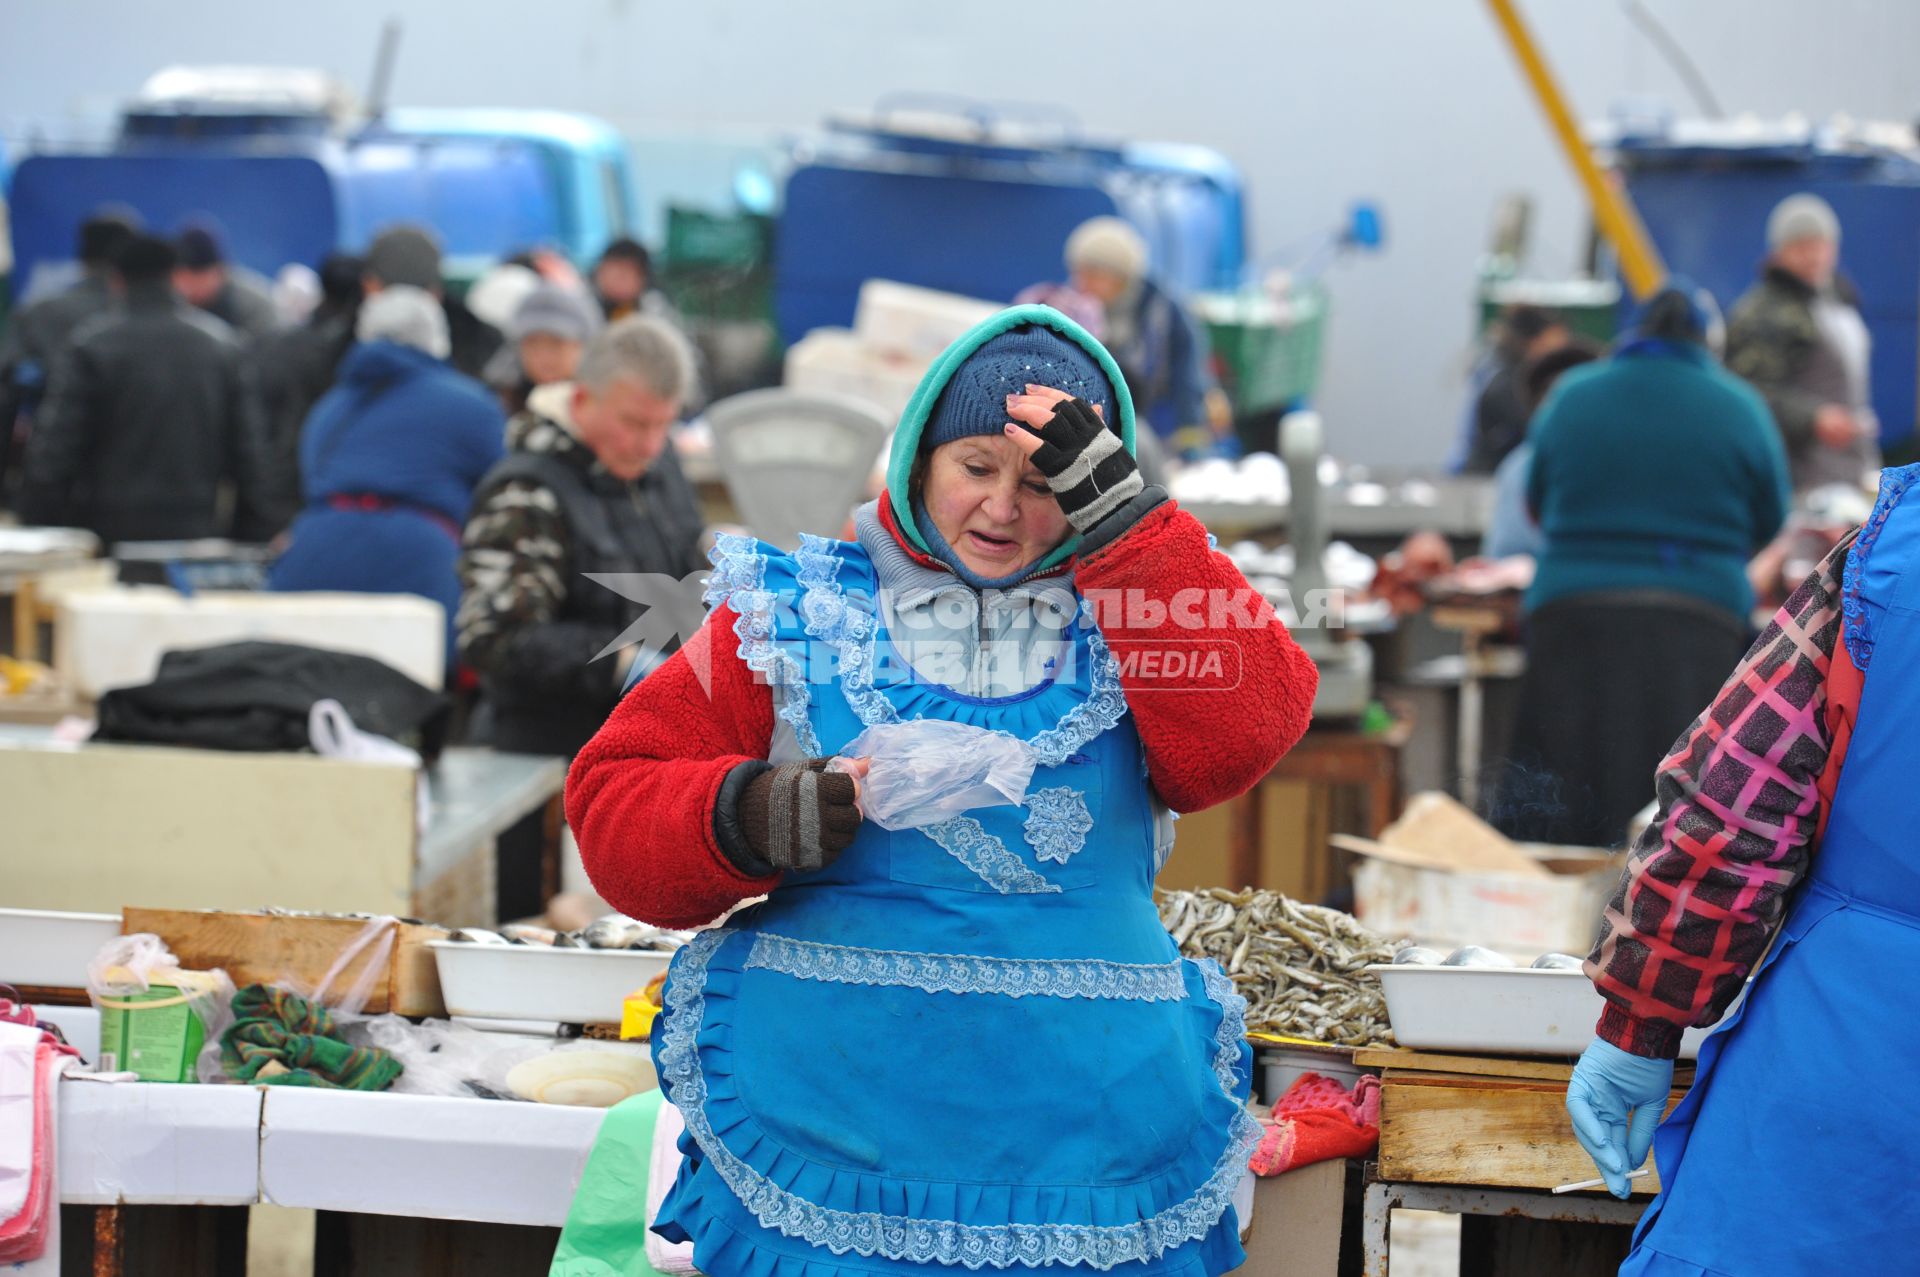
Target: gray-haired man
x=590 y=485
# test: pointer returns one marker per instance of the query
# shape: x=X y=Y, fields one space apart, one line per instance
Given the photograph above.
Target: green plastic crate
x=1269 y=350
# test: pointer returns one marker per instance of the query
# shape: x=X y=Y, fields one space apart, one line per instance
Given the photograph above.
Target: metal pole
x=1612 y=210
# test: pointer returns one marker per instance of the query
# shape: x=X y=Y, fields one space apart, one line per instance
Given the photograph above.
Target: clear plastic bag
x=927 y=770
x=447 y=1059
x=129 y=966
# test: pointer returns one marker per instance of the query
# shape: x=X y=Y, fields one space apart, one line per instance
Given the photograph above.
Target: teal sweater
x=1654 y=470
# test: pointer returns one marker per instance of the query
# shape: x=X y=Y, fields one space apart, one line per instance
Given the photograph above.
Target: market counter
x=1488 y=1138
x=506 y=1170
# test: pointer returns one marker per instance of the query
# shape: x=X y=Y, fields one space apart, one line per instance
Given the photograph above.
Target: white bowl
x=534 y=982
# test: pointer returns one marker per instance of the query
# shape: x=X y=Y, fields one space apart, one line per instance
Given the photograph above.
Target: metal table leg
x=1383 y=1198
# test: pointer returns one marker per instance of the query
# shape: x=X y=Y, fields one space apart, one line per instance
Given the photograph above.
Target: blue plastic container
x=1706 y=208
x=984 y=209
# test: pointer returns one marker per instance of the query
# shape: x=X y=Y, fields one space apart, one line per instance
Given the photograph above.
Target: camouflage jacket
x=530 y=623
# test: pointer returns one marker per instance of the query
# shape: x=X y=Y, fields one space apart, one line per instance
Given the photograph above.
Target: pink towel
x=1318 y=1120
x=23 y=1235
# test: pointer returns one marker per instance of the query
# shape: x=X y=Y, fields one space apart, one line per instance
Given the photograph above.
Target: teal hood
x=906 y=438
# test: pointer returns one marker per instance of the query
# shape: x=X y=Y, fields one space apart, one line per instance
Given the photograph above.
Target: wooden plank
x=1469 y=1065
x=1506 y=1134
x=1489 y=1066
x=260 y=948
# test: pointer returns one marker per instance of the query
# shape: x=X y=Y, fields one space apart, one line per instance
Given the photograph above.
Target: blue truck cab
x=278 y=163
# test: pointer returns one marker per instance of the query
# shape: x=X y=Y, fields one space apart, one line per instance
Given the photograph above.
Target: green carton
x=156 y=1034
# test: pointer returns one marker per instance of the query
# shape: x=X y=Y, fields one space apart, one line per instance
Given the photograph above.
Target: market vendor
x=1161 y=351
x=970 y=1042
x=1655 y=475
x=1783 y=820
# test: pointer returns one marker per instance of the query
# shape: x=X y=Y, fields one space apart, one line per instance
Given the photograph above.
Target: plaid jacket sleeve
x=1741 y=804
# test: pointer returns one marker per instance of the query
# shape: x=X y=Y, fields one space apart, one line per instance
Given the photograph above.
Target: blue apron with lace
x=965 y=1046
x=1793 y=1152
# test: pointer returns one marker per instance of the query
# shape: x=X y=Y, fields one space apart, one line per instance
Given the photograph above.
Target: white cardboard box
x=918 y=323
x=1521 y=916
x=155 y=1144
x=486 y=1160
x=113 y=637
x=833 y=361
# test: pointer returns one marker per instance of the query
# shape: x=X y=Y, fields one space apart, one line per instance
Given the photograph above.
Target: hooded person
x=1021 y=587
x=389 y=459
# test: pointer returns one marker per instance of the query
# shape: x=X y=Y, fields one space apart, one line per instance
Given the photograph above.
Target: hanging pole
x=1612 y=210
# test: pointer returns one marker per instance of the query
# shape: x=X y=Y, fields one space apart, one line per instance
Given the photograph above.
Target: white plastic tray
x=49 y=949
x=533 y=982
x=1512 y=1012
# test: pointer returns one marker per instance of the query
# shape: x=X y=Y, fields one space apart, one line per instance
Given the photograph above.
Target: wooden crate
x=1484 y=1121
x=260 y=948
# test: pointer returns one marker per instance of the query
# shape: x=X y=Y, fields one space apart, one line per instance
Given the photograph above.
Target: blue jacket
x=1654 y=470
x=1165 y=363
x=389 y=459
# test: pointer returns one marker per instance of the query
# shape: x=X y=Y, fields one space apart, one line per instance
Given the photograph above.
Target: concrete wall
x=1414 y=103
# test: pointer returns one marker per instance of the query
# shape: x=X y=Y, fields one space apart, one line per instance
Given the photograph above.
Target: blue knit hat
x=975 y=399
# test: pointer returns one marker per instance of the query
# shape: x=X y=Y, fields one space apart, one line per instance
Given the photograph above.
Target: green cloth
x=274 y=1027
x=606 y=1232
x=906 y=438
x=1654 y=470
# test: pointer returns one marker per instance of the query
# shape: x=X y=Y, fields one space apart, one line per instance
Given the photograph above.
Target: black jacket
x=147 y=414
x=36 y=335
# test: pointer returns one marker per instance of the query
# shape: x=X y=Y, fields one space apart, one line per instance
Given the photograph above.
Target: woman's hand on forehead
x=1033 y=410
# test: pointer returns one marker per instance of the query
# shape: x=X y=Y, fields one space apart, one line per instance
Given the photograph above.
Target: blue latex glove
x=1616 y=1100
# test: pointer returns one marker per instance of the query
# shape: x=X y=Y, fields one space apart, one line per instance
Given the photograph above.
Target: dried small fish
x=1300 y=967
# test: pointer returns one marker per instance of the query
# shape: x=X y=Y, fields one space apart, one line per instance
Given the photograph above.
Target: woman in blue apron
x=968 y=1044
x=1785 y=816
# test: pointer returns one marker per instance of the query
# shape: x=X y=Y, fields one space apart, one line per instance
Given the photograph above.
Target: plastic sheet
x=927 y=770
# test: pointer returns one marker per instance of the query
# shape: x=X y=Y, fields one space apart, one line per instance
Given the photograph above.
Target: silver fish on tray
x=1559 y=962
x=1473 y=955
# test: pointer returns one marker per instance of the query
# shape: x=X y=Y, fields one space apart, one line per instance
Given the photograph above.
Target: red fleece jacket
x=1217 y=687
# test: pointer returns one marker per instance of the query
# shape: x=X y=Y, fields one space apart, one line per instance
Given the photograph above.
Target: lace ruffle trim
x=937 y=1241
x=967 y=841
x=968 y=973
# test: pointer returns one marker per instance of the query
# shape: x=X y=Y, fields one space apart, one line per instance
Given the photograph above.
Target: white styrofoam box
x=427 y=1156
x=114 y=637
x=534 y=982
x=1519 y=915
x=834 y=361
x=51 y=949
x=916 y=322
x=158 y=1144
x=1517 y=1011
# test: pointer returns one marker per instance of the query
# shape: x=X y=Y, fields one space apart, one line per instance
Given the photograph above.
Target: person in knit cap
x=1020 y=590
x=1797 y=335
x=389 y=459
x=545 y=337
x=229 y=292
x=1151 y=336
